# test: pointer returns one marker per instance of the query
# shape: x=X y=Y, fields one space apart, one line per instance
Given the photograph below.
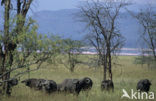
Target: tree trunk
x=110 y=66
x=71 y=64
x=6 y=56
x=109 y=60
x=104 y=67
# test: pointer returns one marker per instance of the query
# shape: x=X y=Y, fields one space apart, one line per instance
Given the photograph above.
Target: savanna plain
x=125 y=76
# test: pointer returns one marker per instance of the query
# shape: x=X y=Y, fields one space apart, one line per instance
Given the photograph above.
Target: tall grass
x=125 y=76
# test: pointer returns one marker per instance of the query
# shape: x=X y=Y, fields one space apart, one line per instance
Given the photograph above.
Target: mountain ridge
x=63 y=23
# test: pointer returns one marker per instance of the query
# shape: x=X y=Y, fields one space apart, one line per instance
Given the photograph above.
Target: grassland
x=125 y=76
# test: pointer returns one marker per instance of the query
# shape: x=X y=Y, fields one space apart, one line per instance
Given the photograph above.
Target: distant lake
x=122 y=51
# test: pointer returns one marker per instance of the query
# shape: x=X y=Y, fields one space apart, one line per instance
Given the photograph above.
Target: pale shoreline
x=124 y=51
x=120 y=54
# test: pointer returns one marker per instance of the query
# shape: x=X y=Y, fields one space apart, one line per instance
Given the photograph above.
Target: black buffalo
x=41 y=84
x=34 y=83
x=86 y=83
x=49 y=86
x=13 y=82
x=69 y=85
x=75 y=85
x=144 y=85
x=107 y=85
x=10 y=84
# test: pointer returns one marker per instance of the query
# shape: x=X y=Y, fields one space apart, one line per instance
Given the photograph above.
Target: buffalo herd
x=76 y=85
x=72 y=85
x=68 y=85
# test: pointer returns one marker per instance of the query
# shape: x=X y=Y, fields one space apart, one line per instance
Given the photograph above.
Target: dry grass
x=125 y=76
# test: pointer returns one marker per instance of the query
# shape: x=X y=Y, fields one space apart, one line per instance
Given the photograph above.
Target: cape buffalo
x=10 y=84
x=75 y=85
x=144 y=85
x=69 y=85
x=34 y=83
x=41 y=84
x=49 y=86
x=86 y=83
x=107 y=85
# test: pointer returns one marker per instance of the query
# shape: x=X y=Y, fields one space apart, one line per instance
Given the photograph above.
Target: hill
x=64 y=23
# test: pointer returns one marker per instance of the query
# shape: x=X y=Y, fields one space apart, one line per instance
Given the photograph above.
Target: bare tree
x=147 y=19
x=104 y=35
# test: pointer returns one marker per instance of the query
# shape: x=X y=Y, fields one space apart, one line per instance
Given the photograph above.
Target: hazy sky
x=56 y=4
x=67 y=4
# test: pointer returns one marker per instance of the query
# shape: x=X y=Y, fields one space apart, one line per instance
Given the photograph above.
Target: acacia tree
x=71 y=49
x=20 y=45
x=7 y=46
x=104 y=35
